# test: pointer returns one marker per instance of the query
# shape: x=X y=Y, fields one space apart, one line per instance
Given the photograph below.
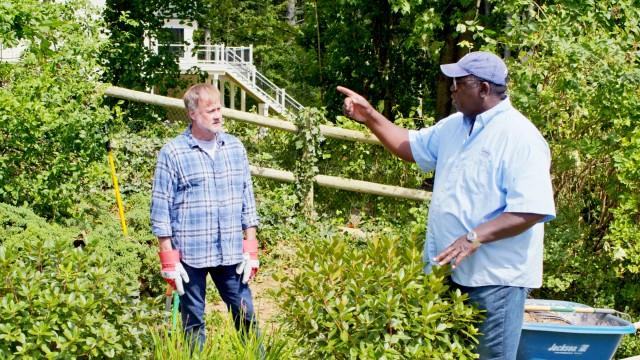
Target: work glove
x=250 y=264
x=172 y=270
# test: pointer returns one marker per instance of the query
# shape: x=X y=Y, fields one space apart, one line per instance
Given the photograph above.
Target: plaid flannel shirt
x=203 y=204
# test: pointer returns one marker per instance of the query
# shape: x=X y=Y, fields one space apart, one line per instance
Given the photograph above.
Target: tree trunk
x=382 y=43
x=291 y=12
x=319 y=53
x=451 y=53
x=443 y=95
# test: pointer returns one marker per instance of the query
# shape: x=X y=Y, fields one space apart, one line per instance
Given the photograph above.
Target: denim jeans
x=235 y=294
x=500 y=331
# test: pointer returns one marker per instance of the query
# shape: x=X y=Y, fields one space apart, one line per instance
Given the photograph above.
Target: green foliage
x=60 y=301
x=51 y=114
x=384 y=50
x=134 y=55
x=222 y=342
x=372 y=300
x=307 y=142
x=372 y=163
x=280 y=150
x=576 y=76
x=273 y=32
x=129 y=62
x=134 y=256
x=277 y=210
x=136 y=157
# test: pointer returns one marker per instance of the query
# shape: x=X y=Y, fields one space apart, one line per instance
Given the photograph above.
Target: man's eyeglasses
x=462 y=80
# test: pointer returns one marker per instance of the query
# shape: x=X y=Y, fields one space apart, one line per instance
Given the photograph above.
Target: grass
x=222 y=342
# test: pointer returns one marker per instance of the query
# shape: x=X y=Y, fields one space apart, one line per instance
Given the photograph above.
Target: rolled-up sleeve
x=249 y=217
x=527 y=180
x=164 y=188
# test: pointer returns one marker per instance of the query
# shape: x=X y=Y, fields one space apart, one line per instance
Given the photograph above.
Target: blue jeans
x=235 y=294
x=500 y=331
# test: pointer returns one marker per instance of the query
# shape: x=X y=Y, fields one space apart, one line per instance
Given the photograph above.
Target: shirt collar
x=485 y=117
x=220 y=137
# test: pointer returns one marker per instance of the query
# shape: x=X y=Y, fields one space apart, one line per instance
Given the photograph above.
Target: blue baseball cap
x=485 y=65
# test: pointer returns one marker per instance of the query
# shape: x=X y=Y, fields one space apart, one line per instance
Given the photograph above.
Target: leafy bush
x=52 y=116
x=58 y=301
x=575 y=74
x=136 y=160
x=134 y=256
x=372 y=301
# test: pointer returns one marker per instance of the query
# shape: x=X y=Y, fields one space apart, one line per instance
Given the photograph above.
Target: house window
x=173 y=42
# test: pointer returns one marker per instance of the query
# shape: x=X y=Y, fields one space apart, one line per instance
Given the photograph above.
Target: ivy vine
x=307 y=142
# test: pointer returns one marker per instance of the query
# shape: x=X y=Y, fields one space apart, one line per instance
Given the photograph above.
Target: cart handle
x=587 y=310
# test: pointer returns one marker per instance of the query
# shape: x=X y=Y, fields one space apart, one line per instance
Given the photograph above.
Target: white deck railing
x=238 y=62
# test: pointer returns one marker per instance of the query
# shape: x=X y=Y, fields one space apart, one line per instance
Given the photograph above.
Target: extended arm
x=393 y=137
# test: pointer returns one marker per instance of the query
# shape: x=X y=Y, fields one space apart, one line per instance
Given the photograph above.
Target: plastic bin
x=573 y=335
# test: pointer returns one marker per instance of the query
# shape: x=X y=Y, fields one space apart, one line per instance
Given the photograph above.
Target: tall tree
x=134 y=27
x=387 y=50
x=132 y=63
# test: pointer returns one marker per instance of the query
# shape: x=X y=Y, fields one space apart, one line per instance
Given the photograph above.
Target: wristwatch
x=472 y=237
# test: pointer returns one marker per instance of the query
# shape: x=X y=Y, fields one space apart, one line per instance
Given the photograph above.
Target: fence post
x=308 y=201
x=309 y=211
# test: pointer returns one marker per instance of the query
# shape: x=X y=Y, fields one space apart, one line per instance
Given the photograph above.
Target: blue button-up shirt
x=502 y=166
x=203 y=203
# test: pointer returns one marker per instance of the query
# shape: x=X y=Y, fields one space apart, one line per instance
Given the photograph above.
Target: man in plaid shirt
x=204 y=215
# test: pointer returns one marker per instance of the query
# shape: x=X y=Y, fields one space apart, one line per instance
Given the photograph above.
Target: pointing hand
x=355 y=106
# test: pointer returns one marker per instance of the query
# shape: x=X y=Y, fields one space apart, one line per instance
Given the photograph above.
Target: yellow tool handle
x=116 y=188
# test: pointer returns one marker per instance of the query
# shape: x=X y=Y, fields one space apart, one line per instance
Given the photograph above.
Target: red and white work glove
x=250 y=263
x=172 y=270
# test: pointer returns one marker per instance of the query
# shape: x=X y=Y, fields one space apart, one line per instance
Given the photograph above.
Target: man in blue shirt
x=492 y=193
x=204 y=215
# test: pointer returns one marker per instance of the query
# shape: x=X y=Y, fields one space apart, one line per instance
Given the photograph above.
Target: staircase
x=236 y=63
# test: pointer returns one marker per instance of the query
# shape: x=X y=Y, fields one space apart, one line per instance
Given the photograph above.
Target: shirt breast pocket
x=189 y=181
x=479 y=173
x=189 y=185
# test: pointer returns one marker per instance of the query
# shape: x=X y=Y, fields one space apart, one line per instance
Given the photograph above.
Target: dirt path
x=263 y=301
x=262 y=288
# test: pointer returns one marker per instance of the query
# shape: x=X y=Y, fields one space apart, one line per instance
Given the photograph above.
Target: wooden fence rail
x=281 y=175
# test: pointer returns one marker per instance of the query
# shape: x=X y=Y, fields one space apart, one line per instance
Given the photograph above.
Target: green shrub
x=629 y=347
x=51 y=114
x=276 y=203
x=57 y=301
x=134 y=256
x=373 y=301
x=575 y=74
